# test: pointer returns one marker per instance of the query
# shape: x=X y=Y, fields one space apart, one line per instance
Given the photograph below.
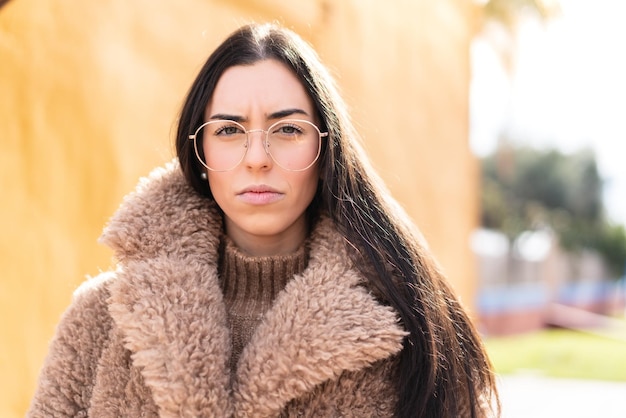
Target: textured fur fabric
x=150 y=339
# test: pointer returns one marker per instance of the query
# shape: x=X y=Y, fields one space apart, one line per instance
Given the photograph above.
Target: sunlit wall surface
x=89 y=93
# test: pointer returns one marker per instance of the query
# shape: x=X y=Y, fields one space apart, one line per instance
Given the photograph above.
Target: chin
x=269 y=225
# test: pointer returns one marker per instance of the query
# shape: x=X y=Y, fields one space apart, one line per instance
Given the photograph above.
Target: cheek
x=218 y=186
x=307 y=188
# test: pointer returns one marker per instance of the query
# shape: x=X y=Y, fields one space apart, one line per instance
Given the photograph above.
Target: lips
x=260 y=195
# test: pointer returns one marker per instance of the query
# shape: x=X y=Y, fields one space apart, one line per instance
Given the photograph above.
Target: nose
x=256 y=154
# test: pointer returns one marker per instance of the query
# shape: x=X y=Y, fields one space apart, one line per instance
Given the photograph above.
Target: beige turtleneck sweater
x=250 y=285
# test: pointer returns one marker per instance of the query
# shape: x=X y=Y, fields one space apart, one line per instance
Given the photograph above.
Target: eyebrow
x=224 y=116
x=272 y=116
x=287 y=112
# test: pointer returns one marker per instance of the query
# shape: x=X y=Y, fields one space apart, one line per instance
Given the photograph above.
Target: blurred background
x=498 y=125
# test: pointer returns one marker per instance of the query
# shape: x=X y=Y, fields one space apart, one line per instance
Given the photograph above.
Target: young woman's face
x=264 y=205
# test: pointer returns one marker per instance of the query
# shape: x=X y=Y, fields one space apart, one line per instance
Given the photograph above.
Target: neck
x=263 y=245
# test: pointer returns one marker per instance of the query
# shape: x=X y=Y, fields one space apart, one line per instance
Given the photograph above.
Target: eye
x=288 y=129
x=228 y=130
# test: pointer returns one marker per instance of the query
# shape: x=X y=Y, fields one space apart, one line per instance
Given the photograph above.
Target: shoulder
x=87 y=317
x=94 y=291
x=68 y=372
x=94 y=287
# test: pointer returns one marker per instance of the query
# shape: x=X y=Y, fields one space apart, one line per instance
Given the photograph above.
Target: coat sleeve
x=67 y=377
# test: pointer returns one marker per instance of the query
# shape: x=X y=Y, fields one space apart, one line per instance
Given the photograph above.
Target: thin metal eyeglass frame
x=266 y=147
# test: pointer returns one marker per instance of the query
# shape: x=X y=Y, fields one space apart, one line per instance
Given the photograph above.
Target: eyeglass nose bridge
x=264 y=137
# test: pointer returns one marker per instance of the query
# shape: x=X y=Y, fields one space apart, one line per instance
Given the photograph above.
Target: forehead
x=266 y=86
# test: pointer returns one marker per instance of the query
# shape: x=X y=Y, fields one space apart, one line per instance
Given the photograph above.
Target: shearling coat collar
x=167 y=304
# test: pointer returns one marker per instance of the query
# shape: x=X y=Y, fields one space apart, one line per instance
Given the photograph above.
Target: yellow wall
x=89 y=93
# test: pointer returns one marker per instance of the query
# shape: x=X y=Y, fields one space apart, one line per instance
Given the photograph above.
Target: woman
x=266 y=272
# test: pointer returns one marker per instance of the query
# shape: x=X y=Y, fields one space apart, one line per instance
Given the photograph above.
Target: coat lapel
x=321 y=324
x=174 y=323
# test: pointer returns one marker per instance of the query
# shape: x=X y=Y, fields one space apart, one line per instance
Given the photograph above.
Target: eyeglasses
x=293 y=144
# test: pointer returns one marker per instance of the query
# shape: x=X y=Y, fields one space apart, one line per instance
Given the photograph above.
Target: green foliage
x=526 y=188
x=611 y=243
x=508 y=11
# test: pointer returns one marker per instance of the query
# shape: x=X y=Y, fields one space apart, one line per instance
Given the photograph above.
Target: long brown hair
x=443 y=367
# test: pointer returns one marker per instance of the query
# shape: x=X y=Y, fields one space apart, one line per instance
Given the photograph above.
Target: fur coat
x=150 y=339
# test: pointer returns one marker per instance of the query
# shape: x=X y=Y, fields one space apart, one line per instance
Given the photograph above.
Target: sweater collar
x=250 y=283
x=168 y=304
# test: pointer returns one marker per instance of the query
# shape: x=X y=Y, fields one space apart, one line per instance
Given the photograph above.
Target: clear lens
x=224 y=144
x=293 y=144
